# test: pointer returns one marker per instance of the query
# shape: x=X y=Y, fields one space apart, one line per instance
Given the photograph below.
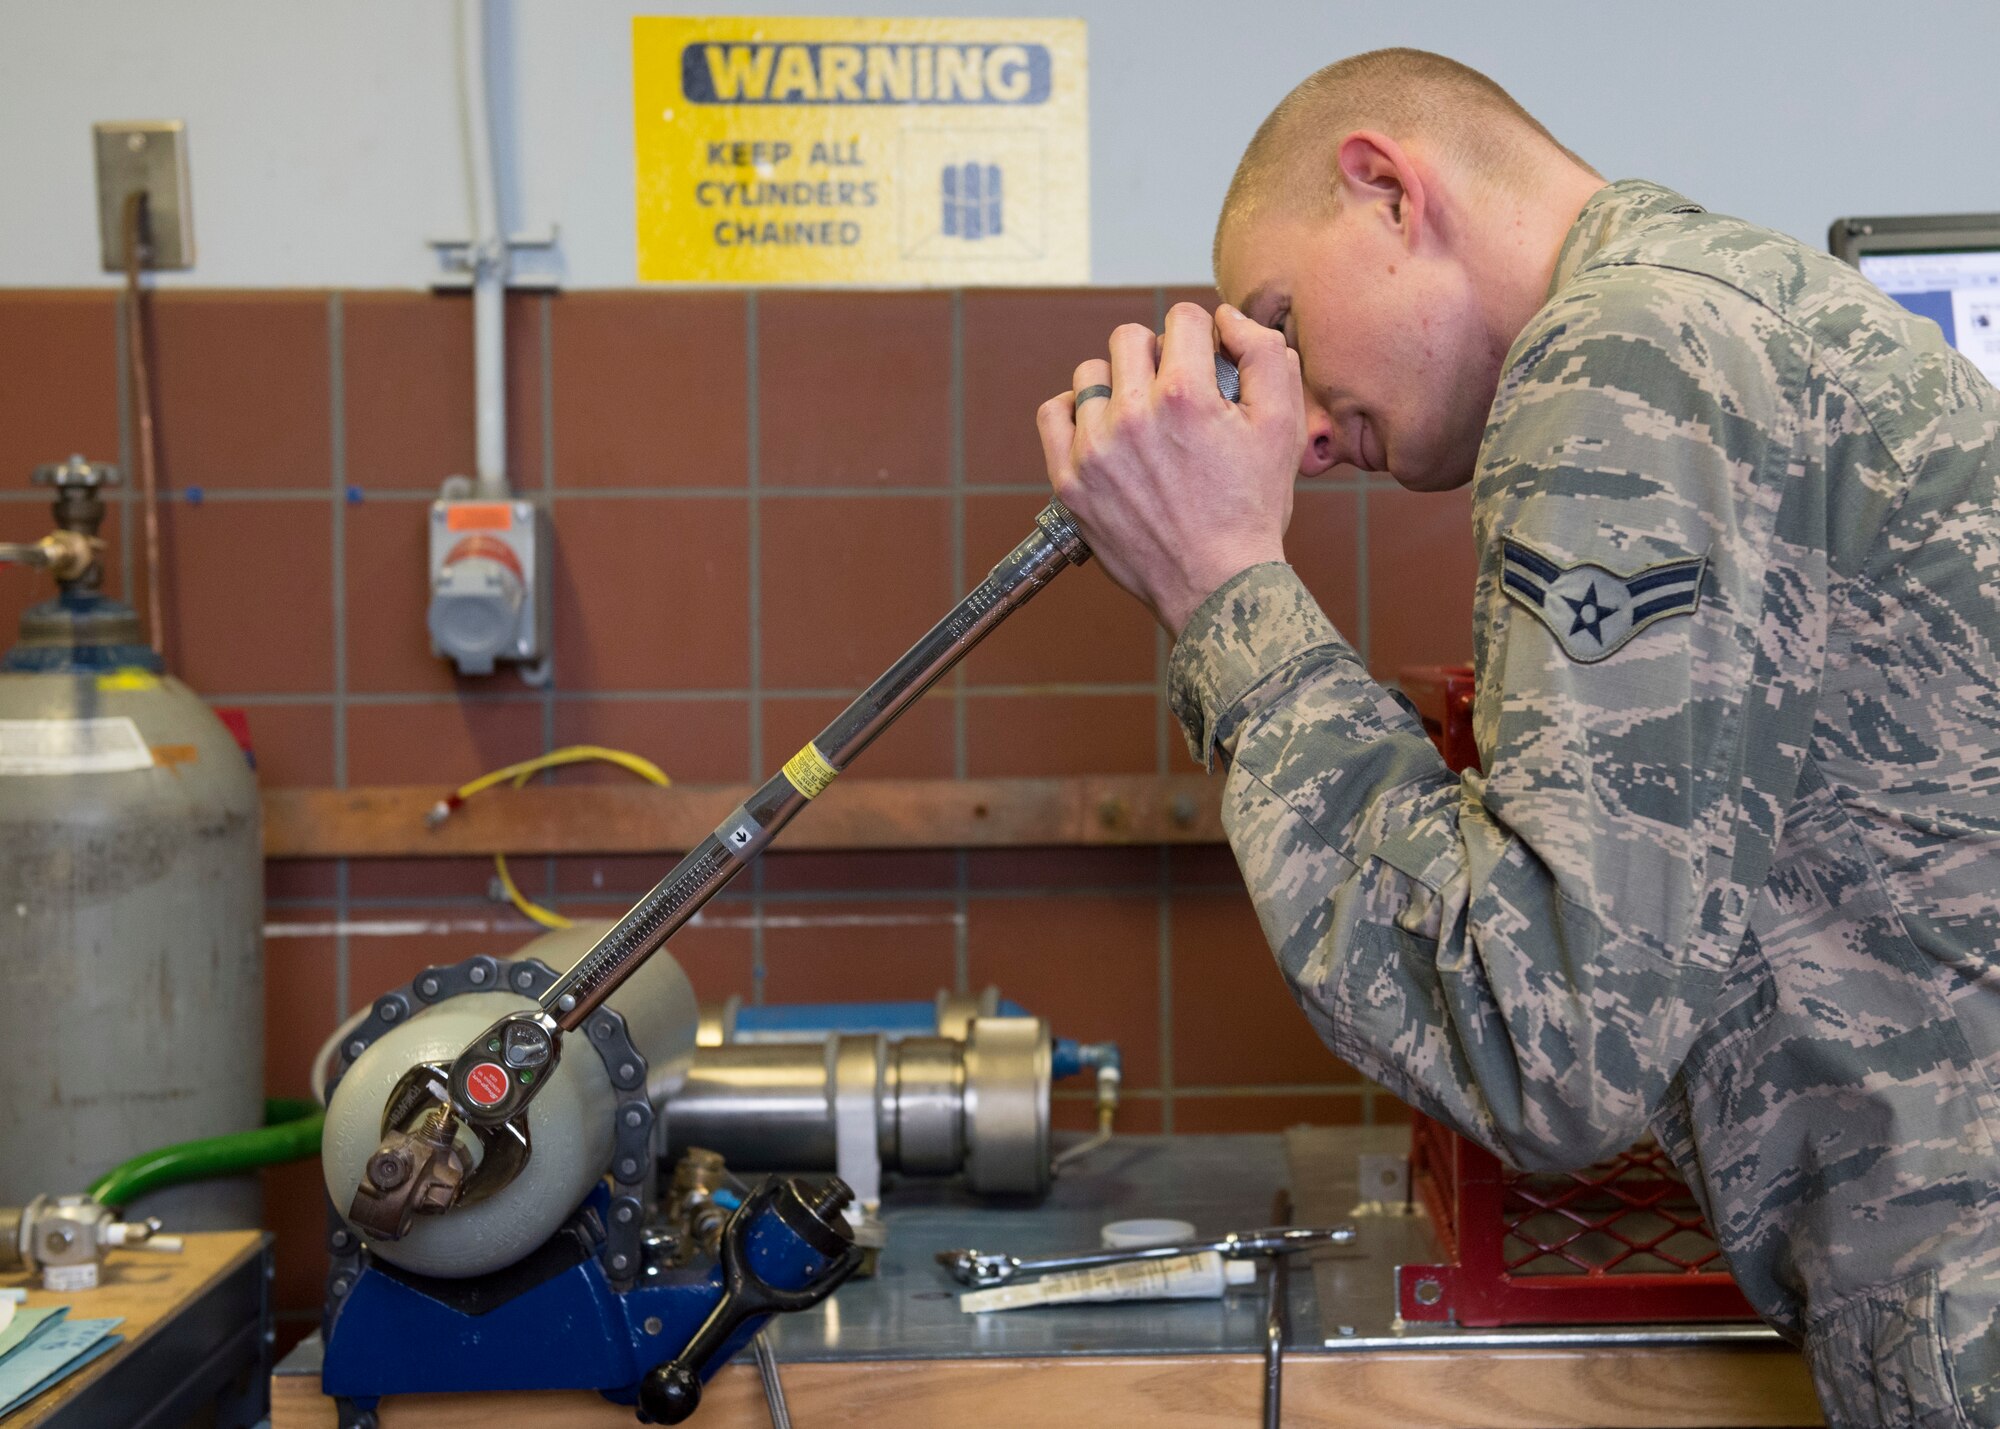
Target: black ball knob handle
x=670 y=1393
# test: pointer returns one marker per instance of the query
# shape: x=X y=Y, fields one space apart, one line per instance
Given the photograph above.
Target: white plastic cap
x=1239 y=1272
x=1129 y=1235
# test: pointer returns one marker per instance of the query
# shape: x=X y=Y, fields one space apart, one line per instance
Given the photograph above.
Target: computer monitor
x=1945 y=267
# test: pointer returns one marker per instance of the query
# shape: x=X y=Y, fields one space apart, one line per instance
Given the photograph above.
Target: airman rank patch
x=1591 y=609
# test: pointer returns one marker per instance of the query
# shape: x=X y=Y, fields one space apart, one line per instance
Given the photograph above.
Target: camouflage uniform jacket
x=1733 y=869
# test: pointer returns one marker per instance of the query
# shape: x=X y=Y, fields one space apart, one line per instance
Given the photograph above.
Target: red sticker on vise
x=486 y=1084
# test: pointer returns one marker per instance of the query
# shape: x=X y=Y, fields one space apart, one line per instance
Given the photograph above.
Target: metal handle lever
x=24 y=553
x=986 y=1268
x=65 y=554
x=488 y=1088
x=672 y=1391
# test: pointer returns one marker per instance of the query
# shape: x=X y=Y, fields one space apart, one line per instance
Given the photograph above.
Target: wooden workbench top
x=1669 y=1388
x=144 y=1289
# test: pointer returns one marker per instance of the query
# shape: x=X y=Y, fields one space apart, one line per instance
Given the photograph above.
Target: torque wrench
x=496 y=1077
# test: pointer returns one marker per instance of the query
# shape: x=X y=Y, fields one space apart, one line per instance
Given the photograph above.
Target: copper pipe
x=142 y=407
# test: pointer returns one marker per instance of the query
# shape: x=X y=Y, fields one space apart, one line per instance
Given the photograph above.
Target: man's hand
x=1176 y=488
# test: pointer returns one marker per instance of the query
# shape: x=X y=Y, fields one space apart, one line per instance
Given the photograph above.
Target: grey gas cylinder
x=131 y=913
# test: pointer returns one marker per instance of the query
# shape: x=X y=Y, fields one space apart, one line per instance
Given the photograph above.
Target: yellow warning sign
x=923 y=152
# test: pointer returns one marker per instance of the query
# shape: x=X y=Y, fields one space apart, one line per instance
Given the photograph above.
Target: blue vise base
x=398 y=1333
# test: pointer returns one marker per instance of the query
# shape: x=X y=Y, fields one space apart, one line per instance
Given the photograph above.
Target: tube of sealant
x=1183 y=1277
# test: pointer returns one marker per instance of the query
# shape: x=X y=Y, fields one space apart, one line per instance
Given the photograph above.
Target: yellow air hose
x=520 y=774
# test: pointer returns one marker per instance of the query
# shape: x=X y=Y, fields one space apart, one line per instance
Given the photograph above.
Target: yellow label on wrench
x=809 y=771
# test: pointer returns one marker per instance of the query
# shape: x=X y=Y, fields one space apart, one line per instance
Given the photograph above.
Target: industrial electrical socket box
x=489 y=584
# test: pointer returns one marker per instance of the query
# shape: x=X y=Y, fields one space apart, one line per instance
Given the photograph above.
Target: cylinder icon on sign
x=972 y=193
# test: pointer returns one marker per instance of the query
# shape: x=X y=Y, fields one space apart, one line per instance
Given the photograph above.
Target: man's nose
x=1321 y=453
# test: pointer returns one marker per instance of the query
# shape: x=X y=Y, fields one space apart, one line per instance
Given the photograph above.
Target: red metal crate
x=1621 y=1241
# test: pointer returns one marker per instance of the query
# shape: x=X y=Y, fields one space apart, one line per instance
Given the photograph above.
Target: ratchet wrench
x=983 y=1268
x=502 y=1070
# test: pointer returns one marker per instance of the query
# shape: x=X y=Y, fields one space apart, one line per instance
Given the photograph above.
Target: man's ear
x=1375 y=169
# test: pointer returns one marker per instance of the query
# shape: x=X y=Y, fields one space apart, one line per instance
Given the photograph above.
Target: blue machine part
x=818 y=1019
x=395 y=1333
x=1067 y=1057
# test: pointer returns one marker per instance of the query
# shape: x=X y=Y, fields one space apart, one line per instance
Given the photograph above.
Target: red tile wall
x=758 y=500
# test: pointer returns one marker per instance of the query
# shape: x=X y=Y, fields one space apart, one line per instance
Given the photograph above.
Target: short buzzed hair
x=1465 y=117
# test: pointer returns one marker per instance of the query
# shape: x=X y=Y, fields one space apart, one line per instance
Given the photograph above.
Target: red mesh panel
x=1629 y=1213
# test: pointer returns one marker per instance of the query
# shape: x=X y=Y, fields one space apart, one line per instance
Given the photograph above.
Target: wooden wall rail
x=388 y=821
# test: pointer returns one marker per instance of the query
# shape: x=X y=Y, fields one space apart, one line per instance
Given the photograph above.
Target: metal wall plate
x=149 y=155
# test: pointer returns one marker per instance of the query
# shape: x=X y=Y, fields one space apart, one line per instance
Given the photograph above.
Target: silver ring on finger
x=1088 y=393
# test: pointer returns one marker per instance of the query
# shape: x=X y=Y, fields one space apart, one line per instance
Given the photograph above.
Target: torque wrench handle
x=496 y=1077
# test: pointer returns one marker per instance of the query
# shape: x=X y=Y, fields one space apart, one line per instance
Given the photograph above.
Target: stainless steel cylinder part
x=938 y=1105
x=1008 y=1067
x=763 y=1106
x=860 y=1098
x=927 y=1113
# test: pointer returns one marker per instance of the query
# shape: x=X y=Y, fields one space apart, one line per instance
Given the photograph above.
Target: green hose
x=290 y=1133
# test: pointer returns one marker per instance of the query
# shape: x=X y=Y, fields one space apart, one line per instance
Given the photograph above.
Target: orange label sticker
x=478 y=516
x=169 y=755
